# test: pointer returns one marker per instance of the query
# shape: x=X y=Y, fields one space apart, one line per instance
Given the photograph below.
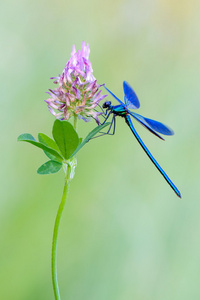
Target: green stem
x=55 y=234
x=75 y=122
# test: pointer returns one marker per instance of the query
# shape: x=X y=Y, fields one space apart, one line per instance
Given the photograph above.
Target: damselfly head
x=106 y=104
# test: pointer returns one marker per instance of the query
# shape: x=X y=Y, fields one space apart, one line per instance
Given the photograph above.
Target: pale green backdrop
x=124 y=233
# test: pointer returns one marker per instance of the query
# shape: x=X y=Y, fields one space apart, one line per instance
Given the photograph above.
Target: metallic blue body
x=122 y=110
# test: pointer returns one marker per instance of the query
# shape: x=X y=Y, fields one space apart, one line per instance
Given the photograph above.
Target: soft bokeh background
x=124 y=233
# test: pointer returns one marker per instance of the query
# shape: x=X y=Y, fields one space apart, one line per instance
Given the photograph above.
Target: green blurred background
x=124 y=233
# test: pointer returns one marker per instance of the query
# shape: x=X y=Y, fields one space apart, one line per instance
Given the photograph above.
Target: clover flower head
x=77 y=93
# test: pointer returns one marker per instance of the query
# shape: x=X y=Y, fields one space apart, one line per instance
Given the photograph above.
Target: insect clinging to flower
x=131 y=101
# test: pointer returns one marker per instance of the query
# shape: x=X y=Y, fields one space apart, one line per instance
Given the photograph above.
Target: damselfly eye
x=106 y=104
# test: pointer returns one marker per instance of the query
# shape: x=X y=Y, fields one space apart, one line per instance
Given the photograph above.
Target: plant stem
x=75 y=122
x=55 y=234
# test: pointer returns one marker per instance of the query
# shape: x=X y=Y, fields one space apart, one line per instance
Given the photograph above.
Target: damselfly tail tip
x=178 y=194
